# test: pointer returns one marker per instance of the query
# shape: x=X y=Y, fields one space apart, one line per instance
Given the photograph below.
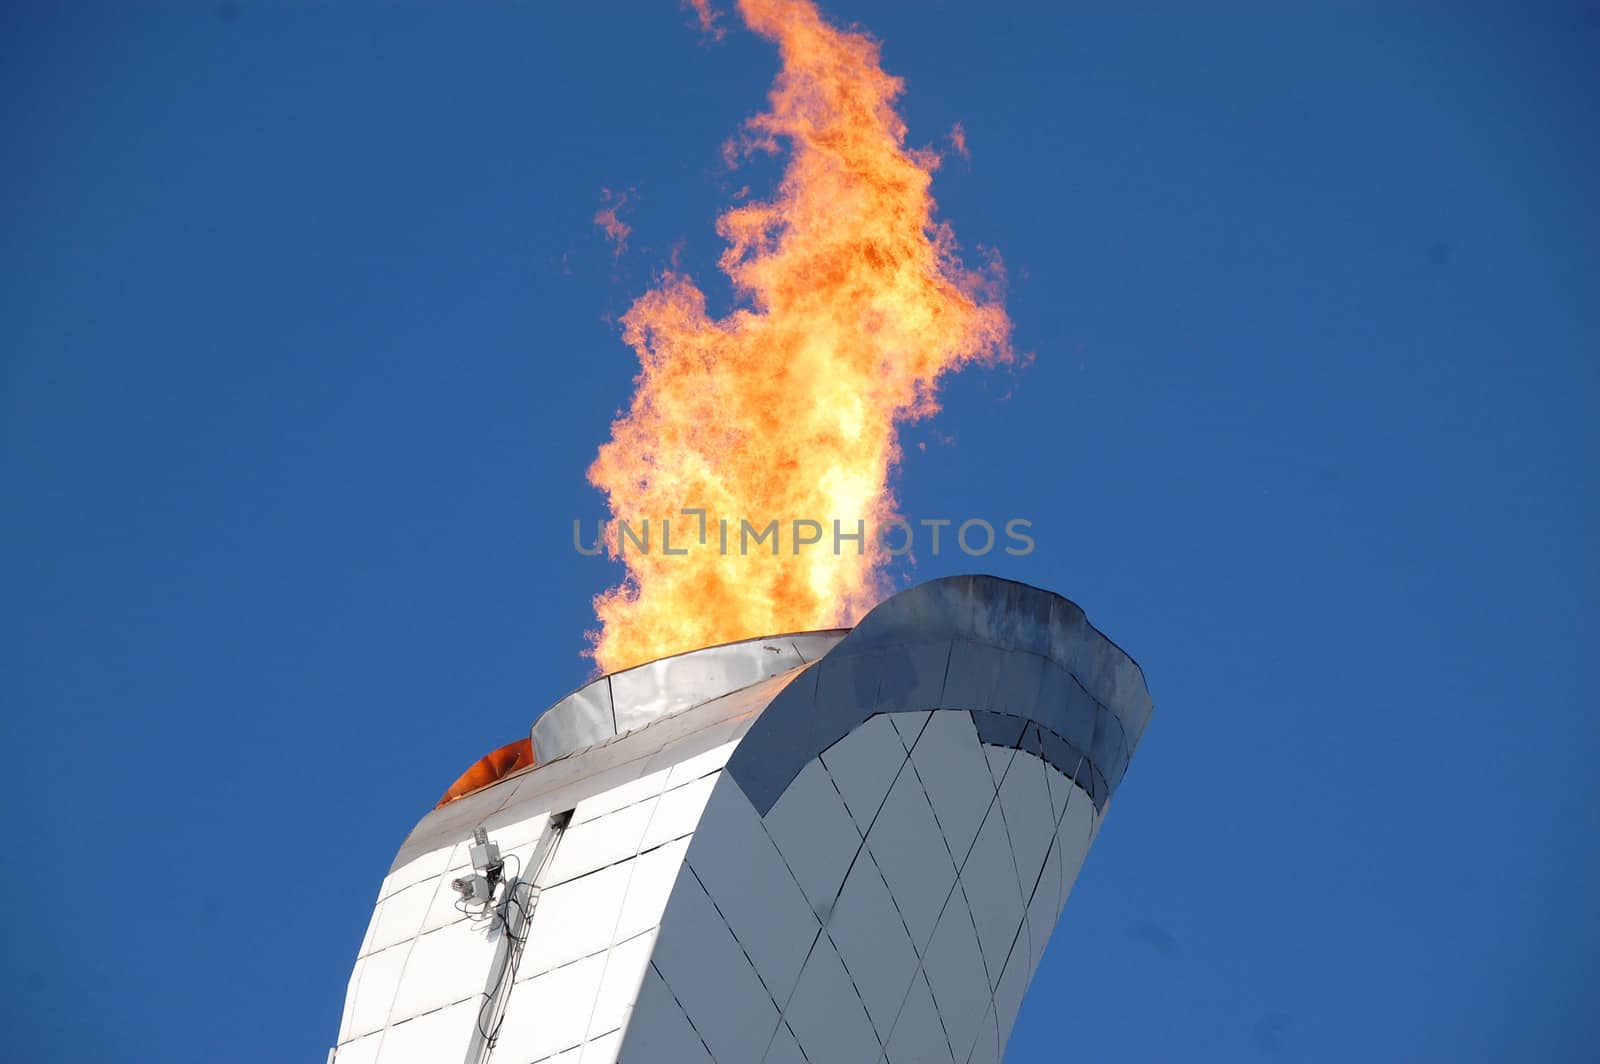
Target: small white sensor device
x=478 y=888
x=485 y=854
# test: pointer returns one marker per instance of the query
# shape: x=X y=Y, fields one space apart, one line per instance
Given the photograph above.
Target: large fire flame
x=851 y=303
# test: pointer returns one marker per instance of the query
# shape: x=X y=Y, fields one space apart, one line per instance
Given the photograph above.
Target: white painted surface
x=377 y=979
x=597 y=843
x=872 y=941
x=624 y=972
x=785 y=1049
x=815 y=834
x=826 y=1015
x=753 y=890
x=711 y=977
x=954 y=772
x=660 y=1032
x=575 y=918
x=427 y=1039
x=918 y=1036
x=550 y=1012
x=989 y=879
x=863 y=765
x=678 y=811
x=954 y=966
x=654 y=873
x=911 y=852
x=1025 y=797
x=445 y=966
x=1013 y=984
x=908 y=725
x=987 y=1049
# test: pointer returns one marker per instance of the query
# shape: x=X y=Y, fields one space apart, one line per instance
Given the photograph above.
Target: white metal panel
x=708 y=761
x=709 y=974
x=654 y=873
x=1061 y=789
x=460 y=862
x=678 y=812
x=784 y=1049
x=602 y=841
x=401 y=916
x=863 y=765
x=374 y=992
x=445 y=909
x=438 y=1036
x=908 y=725
x=1074 y=836
x=372 y=925
x=999 y=758
x=949 y=759
x=565 y=784
x=815 y=834
x=911 y=853
x=445 y=906
x=751 y=886
x=569 y=781
x=566 y=1056
x=456 y=819
x=954 y=966
x=707 y=747
x=918 y=1036
x=518 y=824
x=872 y=940
x=659 y=1032
x=990 y=881
x=1013 y=984
x=1025 y=797
x=350 y=999
x=419 y=867
x=1044 y=905
x=988 y=1049
x=826 y=1015
x=363 y=1050
x=549 y=1013
x=625 y=794
x=624 y=972
x=602 y=1050
x=445 y=966
x=574 y=919
x=519 y=859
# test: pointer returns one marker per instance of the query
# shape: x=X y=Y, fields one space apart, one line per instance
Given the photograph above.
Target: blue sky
x=306 y=346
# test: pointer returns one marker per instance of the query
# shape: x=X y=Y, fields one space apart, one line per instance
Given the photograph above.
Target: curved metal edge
x=972 y=642
x=624 y=701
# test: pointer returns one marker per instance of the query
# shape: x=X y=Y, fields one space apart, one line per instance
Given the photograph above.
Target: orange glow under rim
x=491 y=768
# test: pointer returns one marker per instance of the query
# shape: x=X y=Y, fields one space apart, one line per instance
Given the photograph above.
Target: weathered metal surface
x=628 y=700
x=1027 y=662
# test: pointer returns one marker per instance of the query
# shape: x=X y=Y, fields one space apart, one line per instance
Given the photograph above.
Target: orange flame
x=707 y=16
x=958 y=140
x=616 y=230
x=852 y=303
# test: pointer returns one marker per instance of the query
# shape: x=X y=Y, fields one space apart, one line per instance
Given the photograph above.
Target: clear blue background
x=306 y=348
